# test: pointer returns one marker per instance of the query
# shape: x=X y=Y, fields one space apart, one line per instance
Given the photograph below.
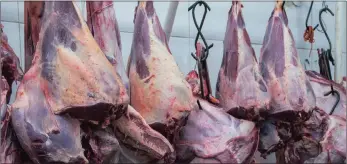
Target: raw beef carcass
x=240 y=87
x=292 y=96
x=321 y=86
x=158 y=89
x=213 y=136
x=33 y=12
x=103 y=24
x=69 y=74
x=10 y=67
x=139 y=142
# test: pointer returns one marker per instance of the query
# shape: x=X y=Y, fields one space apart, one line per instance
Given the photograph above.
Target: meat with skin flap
x=139 y=142
x=292 y=96
x=240 y=87
x=102 y=22
x=213 y=136
x=70 y=79
x=155 y=77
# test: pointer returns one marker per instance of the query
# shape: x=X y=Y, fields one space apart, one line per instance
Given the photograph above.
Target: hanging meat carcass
x=33 y=12
x=69 y=75
x=321 y=86
x=158 y=89
x=10 y=67
x=103 y=24
x=213 y=136
x=240 y=86
x=292 y=96
x=147 y=145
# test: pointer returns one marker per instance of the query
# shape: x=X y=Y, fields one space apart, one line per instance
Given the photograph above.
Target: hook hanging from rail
x=199 y=27
x=201 y=54
x=325 y=9
x=328 y=57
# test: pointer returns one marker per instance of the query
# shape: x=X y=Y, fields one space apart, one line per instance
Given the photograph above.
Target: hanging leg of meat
x=70 y=74
x=33 y=12
x=213 y=136
x=158 y=89
x=139 y=142
x=321 y=86
x=103 y=24
x=71 y=70
x=10 y=67
x=240 y=86
x=292 y=96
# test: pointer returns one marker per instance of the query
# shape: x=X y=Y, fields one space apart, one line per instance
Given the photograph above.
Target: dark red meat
x=240 y=87
x=158 y=89
x=103 y=24
x=292 y=96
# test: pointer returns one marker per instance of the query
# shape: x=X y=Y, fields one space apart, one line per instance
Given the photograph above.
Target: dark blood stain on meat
x=73 y=46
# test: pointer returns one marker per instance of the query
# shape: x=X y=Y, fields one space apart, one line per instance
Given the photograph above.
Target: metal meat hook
x=308 y=15
x=199 y=27
x=333 y=92
x=202 y=54
x=325 y=9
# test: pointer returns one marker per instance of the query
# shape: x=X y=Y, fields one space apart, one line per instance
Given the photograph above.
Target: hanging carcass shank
x=158 y=89
x=213 y=136
x=69 y=75
x=292 y=96
x=103 y=24
x=240 y=87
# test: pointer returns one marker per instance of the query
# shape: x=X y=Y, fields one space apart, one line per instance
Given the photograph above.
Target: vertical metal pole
x=338 y=39
x=170 y=18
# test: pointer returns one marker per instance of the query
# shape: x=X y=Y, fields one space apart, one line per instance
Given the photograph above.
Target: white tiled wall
x=181 y=43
